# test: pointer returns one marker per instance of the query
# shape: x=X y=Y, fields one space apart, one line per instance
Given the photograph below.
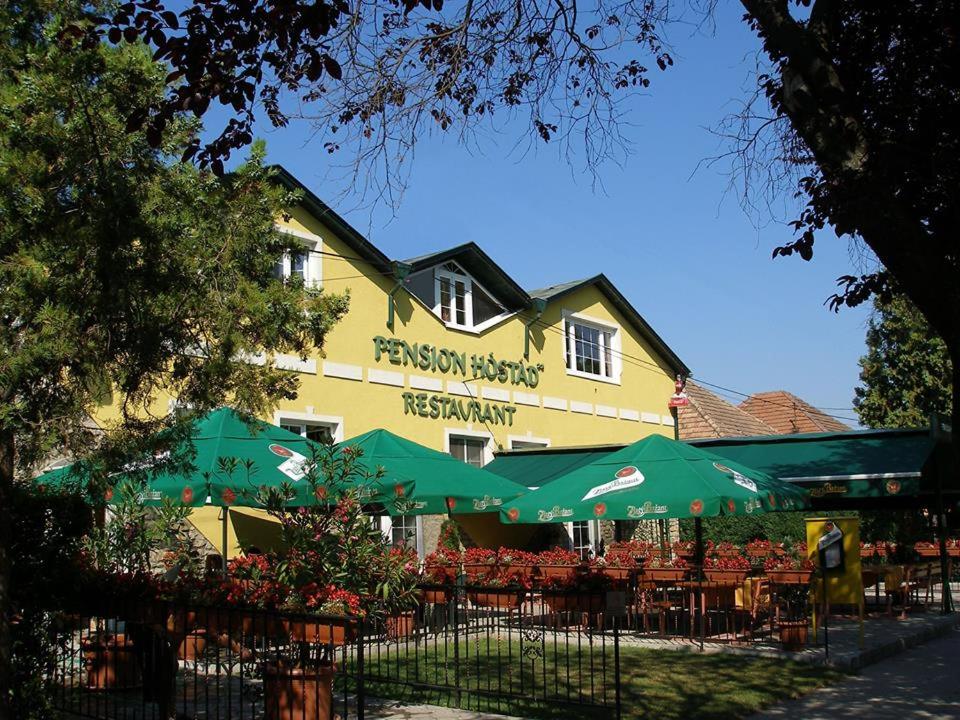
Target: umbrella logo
x=451 y=504
x=893 y=486
x=281 y=451
x=739 y=478
x=600 y=509
x=648 y=508
x=626 y=477
x=108 y=494
x=731 y=505
x=229 y=496
x=696 y=507
x=187 y=495
x=513 y=514
x=320 y=493
x=481 y=504
x=398 y=490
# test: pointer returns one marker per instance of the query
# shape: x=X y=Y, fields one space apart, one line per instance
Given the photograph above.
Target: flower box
x=557 y=571
x=665 y=574
x=333 y=631
x=724 y=575
x=756 y=552
x=618 y=573
x=491 y=598
x=929 y=552
x=790 y=577
x=575 y=602
x=233 y=621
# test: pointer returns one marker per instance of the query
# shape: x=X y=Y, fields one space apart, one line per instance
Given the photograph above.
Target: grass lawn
x=655 y=683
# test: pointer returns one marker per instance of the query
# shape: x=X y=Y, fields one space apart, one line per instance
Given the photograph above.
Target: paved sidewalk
x=922 y=683
x=387 y=710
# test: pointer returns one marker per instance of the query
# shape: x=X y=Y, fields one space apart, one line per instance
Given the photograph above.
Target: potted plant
x=725 y=550
x=518 y=563
x=637 y=549
x=726 y=568
x=479 y=565
x=794 y=625
x=583 y=591
x=617 y=565
x=557 y=563
x=790 y=569
x=759 y=548
x=659 y=569
x=440 y=568
x=684 y=549
x=501 y=590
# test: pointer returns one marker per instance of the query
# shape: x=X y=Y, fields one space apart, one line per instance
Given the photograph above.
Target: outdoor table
x=907 y=578
x=725 y=596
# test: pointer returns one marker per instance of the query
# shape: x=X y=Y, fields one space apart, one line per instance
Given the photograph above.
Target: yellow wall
x=638 y=401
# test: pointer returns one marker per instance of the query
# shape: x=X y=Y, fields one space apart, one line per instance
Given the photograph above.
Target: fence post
x=616 y=665
x=456 y=637
x=361 y=701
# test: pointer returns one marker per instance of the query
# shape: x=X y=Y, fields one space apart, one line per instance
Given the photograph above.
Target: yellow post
x=844 y=584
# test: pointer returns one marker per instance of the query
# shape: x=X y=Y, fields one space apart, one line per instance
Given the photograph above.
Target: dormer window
x=303 y=263
x=455 y=297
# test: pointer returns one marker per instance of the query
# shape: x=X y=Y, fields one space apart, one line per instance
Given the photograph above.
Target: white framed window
x=591 y=349
x=317 y=431
x=526 y=442
x=320 y=428
x=473 y=448
x=583 y=537
x=404 y=531
x=305 y=263
x=456 y=298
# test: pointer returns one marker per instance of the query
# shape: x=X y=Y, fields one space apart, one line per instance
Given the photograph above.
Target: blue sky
x=687 y=257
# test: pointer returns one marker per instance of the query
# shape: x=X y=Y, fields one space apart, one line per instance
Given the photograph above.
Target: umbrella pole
x=226 y=518
x=698 y=555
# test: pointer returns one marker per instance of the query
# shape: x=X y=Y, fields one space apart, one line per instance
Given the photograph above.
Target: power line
x=630 y=359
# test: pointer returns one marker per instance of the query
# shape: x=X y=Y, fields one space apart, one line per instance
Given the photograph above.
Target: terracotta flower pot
x=665 y=574
x=556 y=571
x=437 y=597
x=110 y=663
x=298 y=693
x=235 y=622
x=790 y=577
x=725 y=576
x=793 y=634
x=193 y=645
x=758 y=552
x=617 y=573
x=335 y=631
x=575 y=602
x=400 y=625
x=505 y=599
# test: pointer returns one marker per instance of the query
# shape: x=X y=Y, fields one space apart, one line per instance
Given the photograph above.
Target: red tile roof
x=786 y=413
x=710 y=416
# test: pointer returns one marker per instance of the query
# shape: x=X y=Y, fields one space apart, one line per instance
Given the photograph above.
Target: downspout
x=539 y=305
x=400 y=272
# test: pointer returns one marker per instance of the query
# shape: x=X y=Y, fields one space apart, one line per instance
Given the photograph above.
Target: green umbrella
x=651 y=479
x=222 y=460
x=410 y=479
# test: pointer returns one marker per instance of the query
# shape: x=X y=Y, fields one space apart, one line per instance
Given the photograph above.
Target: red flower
x=187 y=495
x=696 y=507
x=599 y=509
x=513 y=514
x=229 y=496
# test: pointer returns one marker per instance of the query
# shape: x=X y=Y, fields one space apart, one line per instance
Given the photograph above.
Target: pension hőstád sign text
x=433 y=358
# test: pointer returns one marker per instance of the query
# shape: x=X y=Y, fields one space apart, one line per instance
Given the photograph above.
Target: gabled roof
x=786 y=413
x=475 y=261
x=710 y=416
x=364 y=249
x=555 y=292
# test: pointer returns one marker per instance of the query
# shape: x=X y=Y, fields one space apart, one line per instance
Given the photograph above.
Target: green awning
x=876 y=464
x=535 y=468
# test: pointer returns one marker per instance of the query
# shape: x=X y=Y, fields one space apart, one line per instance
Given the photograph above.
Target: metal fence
x=483 y=648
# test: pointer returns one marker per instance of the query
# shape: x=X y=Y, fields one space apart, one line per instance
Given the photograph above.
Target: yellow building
x=449 y=351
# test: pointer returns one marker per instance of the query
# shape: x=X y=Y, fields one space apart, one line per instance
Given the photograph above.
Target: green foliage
x=786 y=527
x=126 y=274
x=449 y=538
x=906 y=373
